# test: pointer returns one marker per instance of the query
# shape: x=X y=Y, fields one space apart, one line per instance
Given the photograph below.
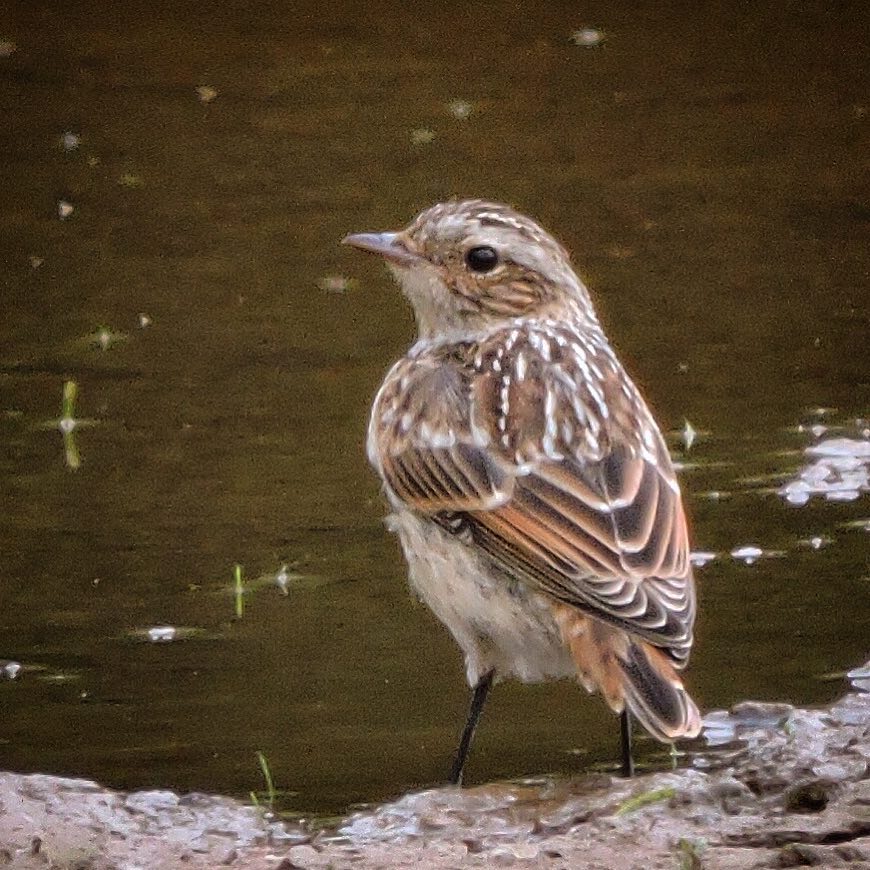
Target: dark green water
x=707 y=165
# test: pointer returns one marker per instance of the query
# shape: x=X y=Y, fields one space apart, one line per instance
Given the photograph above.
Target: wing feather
x=561 y=477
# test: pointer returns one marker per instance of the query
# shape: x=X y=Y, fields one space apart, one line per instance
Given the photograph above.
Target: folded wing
x=537 y=446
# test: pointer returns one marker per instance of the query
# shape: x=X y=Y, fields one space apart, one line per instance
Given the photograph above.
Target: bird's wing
x=537 y=446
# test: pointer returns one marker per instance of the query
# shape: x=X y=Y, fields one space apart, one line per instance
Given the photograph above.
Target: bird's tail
x=631 y=673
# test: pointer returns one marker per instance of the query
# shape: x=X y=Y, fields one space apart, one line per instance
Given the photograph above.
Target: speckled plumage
x=531 y=489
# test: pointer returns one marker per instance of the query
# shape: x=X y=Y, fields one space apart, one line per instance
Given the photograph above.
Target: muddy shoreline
x=785 y=787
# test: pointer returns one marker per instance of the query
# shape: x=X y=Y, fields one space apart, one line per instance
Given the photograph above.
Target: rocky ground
x=785 y=788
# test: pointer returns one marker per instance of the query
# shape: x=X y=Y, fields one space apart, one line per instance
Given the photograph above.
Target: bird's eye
x=481 y=259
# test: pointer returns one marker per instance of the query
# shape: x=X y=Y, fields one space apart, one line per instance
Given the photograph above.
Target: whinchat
x=531 y=489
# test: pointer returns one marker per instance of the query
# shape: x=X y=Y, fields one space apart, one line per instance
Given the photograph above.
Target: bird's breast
x=497 y=621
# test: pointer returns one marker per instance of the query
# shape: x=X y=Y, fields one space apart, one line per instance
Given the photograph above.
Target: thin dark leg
x=625 y=734
x=481 y=690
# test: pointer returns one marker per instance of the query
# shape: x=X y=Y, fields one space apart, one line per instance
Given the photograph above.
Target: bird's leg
x=481 y=690
x=625 y=735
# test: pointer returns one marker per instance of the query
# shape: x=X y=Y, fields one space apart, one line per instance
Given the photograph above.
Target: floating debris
x=422 y=136
x=831 y=677
x=68 y=405
x=797 y=492
x=714 y=494
x=862 y=524
x=761 y=479
x=144 y=320
x=689 y=435
x=749 y=553
x=576 y=751
x=64 y=209
x=282 y=578
x=7 y=48
x=845 y=447
x=817 y=430
x=701 y=558
x=839 y=471
x=238 y=591
x=336 y=284
x=206 y=93
x=129 y=179
x=816 y=542
x=60 y=677
x=9 y=670
x=588 y=37
x=843 y=495
x=460 y=109
x=621 y=252
x=285 y=578
x=701 y=463
x=105 y=338
x=36 y=262
x=70 y=141
x=68 y=423
x=162 y=633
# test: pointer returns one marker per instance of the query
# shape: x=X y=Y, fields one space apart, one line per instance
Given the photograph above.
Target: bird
x=528 y=482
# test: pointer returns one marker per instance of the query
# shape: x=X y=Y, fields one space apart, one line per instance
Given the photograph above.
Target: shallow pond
x=176 y=182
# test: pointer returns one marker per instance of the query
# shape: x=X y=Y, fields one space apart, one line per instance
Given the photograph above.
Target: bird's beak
x=389 y=245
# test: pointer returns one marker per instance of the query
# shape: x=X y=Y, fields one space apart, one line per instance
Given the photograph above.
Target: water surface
x=706 y=164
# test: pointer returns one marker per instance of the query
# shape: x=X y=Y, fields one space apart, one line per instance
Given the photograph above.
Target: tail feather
x=655 y=694
x=629 y=673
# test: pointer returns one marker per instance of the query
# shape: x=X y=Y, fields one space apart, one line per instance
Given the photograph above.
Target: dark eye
x=481 y=259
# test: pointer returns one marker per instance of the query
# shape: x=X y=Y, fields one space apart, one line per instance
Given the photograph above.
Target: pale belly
x=497 y=622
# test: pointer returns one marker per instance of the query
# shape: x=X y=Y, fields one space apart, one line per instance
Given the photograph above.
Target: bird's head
x=470 y=265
